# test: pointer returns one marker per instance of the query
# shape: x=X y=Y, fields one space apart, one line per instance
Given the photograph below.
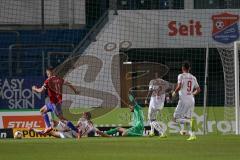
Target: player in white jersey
x=187 y=87
x=157 y=90
x=83 y=128
x=85 y=125
x=61 y=130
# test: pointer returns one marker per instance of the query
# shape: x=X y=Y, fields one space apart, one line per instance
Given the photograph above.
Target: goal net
x=229 y=57
x=106 y=48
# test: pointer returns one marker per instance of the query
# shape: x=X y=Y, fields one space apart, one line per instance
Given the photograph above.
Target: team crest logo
x=225 y=27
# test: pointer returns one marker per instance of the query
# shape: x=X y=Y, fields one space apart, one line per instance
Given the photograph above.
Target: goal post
x=205 y=92
x=236 y=78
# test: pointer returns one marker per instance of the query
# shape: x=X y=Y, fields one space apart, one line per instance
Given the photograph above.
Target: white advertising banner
x=178 y=28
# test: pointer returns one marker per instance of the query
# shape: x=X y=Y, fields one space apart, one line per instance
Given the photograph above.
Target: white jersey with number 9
x=188 y=84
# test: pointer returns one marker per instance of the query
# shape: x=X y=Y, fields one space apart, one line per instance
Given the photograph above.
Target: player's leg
x=152 y=116
x=115 y=130
x=36 y=130
x=57 y=108
x=122 y=131
x=71 y=126
x=42 y=132
x=179 y=116
x=159 y=129
x=68 y=134
x=156 y=103
x=183 y=115
x=57 y=134
x=133 y=131
x=44 y=110
x=191 y=126
x=51 y=133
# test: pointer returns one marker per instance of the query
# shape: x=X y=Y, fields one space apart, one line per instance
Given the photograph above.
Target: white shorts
x=157 y=102
x=69 y=134
x=184 y=109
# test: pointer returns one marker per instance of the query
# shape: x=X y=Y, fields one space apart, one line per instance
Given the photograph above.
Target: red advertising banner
x=35 y=121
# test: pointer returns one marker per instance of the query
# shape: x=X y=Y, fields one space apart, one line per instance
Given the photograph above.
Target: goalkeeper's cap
x=87 y=115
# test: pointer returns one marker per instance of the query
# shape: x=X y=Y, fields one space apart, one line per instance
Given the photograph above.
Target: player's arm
x=150 y=91
x=148 y=96
x=197 y=89
x=169 y=92
x=38 y=90
x=71 y=86
x=79 y=134
x=178 y=87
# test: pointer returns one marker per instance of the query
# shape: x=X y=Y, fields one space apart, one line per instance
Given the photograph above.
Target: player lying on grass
x=187 y=87
x=53 y=85
x=83 y=128
x=138 y=122
x=157 y=90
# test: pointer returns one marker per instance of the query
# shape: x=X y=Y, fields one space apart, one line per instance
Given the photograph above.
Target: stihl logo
x=22 y=124
x=192 y=28
x=23 y=121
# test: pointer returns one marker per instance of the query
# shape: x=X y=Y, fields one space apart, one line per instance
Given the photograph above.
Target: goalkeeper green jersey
x=137 y=125
x=138 y=122
x=138 y=118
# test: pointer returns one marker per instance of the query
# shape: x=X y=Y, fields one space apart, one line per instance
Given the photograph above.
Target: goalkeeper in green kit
x=138 y=122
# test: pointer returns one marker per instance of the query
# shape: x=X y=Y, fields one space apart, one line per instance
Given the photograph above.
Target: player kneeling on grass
x=83 y=128
x=157 y=90
x=138 y=122
x=188 y=87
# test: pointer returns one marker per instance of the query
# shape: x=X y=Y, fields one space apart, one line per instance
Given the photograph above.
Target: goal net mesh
x=228 y=60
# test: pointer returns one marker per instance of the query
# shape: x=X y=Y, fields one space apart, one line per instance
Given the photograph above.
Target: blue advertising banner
x=16 y=93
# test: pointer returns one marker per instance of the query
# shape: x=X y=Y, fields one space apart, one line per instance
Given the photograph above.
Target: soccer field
x=172 y=148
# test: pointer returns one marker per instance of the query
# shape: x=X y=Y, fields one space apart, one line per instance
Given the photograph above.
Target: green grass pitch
x=209 y=147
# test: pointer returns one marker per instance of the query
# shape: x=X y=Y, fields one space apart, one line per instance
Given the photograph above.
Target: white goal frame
x=236 y=70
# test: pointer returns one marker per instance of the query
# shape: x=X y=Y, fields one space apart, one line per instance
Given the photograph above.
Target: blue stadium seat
x=29 y=57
